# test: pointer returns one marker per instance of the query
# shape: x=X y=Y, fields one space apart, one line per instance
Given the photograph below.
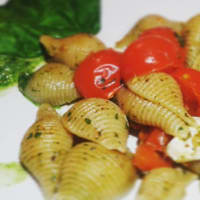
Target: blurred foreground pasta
x=92 y=172
x=43 y=149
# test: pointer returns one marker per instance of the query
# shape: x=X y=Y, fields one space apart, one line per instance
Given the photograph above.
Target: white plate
x=17 y=113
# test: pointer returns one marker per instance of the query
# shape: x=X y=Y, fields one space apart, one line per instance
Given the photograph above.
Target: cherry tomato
x=168 y=33
x=165 y=32
x=146 y=158
x=99 y=74
x=155 y=137
x=150 y=153
x=189 y=81
x=149 y=54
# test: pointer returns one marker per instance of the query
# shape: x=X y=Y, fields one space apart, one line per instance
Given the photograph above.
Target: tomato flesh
x=99 y=74
x=150 y=153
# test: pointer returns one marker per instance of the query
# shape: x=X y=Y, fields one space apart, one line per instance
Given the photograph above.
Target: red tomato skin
x=189 y=82
x=99 y=74
x=165 y=32
x=148 y=54
x=171 y=35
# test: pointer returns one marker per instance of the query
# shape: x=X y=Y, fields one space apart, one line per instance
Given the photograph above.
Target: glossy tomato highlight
x=99 y=74
x=149 y=54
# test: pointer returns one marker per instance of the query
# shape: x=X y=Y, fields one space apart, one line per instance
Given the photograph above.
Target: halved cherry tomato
x=189 y=81
x=150 y=153
x=99 y=74
x=149 y=54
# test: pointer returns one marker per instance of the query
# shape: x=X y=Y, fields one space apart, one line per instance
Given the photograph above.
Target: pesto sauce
x=11 y=174
x=11 y=67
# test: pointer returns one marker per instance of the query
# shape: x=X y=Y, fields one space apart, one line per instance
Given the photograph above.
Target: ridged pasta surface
x=92 y=172
x=148 y=113
x=53 y=84
x=148 y=22
x=98 y=120
x=165 y=184
x=161 y=89
x=43 y=149
x=192 y=41
x=72 y=50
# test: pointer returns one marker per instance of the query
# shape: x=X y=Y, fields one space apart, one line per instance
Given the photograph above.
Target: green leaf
x=22 y=22
x=11 y=67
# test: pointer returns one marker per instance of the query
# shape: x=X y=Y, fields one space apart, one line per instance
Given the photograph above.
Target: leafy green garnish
x=22 y=22
x=11 y=67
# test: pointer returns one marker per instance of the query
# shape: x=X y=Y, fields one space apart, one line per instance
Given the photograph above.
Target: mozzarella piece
x=183 y=150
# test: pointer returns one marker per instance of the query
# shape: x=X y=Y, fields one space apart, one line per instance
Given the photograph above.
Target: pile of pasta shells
x=83 y=154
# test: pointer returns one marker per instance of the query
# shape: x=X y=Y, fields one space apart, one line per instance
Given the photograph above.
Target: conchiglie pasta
x=98 y=120
x=72 y=50
x=192 y=41
x=162 y=89
x=148 y=22
x=44 y=147
x=92 y=172
x=53 y=84
x=165 y=184
x=148 y=113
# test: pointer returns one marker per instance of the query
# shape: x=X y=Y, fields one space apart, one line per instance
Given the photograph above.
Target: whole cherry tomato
x=149 y=54
x=99 y=74
x=168 y=33
x=165 y=32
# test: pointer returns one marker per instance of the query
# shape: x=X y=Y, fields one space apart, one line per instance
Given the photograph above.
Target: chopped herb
x=116 y=116
x=116 y=135
x=69 y=114
x=180 y=128
x=38 y=134
x=180 y=39
x=30 y=136
x=88 y=121
x=53 y=178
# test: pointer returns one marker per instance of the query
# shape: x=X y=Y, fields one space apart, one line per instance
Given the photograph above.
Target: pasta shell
x=98 y=120
x=92 y=172
x=72 y=50
x=169 y=184
x=146 y=112
x=192 y=41
x=162 y=89
x=53 y=84
x=145 y=23
x=44 y=147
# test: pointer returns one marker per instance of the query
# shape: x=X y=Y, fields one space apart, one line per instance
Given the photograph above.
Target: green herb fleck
x=116 y=116
x=88 y=121
x=38 y=134
x=69 y=114
x=53 y=178
x=180 y=39
x=30 y=136
x=180 y=128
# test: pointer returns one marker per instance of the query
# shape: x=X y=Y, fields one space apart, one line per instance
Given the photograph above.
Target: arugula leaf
x=22 y=22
